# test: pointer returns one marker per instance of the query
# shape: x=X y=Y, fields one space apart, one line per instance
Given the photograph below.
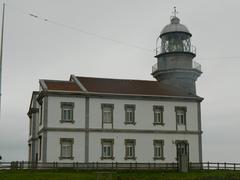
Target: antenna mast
x=1 y=54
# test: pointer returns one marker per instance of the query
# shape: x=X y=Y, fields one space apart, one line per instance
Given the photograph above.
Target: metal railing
x=195 y=65
x=119 y=166
x=189 y=49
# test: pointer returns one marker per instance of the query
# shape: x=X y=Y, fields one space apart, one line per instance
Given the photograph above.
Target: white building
x=90 y=119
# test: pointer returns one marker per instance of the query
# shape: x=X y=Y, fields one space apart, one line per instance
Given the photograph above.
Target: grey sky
x=36 y=50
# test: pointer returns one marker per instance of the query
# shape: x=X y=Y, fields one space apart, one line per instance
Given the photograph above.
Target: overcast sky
x=36 y=49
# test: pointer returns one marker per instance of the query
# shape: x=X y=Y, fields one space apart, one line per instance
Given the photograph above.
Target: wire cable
x=53 y=22
x=47 y=20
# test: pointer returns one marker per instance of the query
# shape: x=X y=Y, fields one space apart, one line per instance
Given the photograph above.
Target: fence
x=118 y=166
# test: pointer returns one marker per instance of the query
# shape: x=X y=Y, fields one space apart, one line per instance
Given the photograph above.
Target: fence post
x=225 y=166
x=149 y=165
x=116 y=165
x=234 y=166
x=96 y=165
x=218 y=166
x=136 y=165
x=208 y=165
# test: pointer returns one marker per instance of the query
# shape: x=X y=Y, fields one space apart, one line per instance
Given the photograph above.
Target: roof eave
x=198 y=98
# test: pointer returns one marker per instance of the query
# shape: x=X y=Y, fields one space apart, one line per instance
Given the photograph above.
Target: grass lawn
x=117 y=175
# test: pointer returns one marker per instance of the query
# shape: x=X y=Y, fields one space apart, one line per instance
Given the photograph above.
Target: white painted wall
x=144 y=115
x=144 y=149
x=53 y=146
x=54 y=112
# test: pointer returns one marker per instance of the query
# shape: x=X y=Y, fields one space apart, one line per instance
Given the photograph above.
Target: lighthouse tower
x=175 y=54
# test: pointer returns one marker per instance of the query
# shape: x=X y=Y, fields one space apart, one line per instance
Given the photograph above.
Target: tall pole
x=1 y=54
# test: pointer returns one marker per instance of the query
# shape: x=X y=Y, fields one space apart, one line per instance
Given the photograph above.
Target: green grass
x=118 y=175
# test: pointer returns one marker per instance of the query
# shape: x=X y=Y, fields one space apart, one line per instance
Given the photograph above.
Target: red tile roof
x=117 y=86
x=126 y=86
x=62 y=85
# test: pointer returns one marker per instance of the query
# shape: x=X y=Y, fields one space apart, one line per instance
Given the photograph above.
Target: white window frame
x=158 y=115
x=107 y=115
x=180 y=117
x=158 y=146
x=130 y=145
x=107 y=149
x=183 y=147
x=130 y=114
x=181 y=113
x=66 y=148
x=67 y=112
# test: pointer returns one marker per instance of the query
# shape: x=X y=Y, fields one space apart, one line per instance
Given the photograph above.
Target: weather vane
x=175 y=11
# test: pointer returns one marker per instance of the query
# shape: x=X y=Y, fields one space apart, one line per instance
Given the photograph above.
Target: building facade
x=90 y=119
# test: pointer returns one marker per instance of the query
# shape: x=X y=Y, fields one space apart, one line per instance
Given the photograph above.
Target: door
x=182 y=149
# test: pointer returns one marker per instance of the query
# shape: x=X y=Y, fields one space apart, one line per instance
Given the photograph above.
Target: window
x=29 y=152
x=67 y=112
x=40 y=148
x=158 y=149
x=66 y=148
x=41 y=114
x=107 y=148
x=30 y=126
x=107 y=113
x=158 y=115
x=130 y=114
x=130 y=149
x=181 y=115
x=182 y=148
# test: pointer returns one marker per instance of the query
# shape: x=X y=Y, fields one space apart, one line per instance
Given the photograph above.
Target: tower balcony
x=195 y=66
x=176 y=48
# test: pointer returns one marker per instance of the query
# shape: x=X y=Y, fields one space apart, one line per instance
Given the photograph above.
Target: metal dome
x=175 y=26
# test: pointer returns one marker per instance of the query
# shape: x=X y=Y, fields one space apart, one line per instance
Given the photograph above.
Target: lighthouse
x=175 y=54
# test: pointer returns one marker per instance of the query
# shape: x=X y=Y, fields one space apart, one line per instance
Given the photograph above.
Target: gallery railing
x=195 y=65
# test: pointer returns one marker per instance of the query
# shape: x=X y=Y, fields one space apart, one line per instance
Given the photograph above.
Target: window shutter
x=177 y=118
x=126 y=120
x=185 y=117
x=133 y=120
x=155 y=116
x=161 y=116
x=111 y=115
